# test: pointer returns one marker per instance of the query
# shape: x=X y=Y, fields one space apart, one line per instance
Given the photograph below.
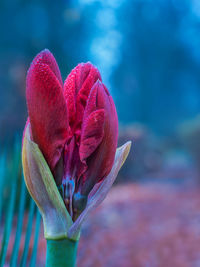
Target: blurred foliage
x=157 y=80
x=146 y=155
x=189 y=134
x=174 y=157
x=16 y=228
x=147 y=51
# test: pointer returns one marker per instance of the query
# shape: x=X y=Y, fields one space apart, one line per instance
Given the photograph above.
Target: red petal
x=47 y=108
x=109 y=143
x=92 y=133
x=100 y=162
x=77 y=88
x=47 y=58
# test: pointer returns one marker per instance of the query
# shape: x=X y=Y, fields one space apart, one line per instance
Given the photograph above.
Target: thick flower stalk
x=70 y=156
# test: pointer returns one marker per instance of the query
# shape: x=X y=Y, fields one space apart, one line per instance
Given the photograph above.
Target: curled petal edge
x=42 y=187
x=98 y=194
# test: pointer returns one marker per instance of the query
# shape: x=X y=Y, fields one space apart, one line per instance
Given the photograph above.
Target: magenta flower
x=75 y=127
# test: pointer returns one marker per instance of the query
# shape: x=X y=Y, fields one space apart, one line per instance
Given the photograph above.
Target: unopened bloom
x=74 y=127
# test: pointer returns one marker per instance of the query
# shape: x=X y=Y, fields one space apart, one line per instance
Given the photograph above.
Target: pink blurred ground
x=146 y=225
x=141 y=225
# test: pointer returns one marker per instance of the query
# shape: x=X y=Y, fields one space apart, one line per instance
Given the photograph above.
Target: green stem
x=61 y=253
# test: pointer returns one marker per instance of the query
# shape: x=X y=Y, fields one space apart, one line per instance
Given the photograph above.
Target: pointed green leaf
x=28 y=234
x=2 y=177
x=8 y=224
x=20 y=217
x=35 y=244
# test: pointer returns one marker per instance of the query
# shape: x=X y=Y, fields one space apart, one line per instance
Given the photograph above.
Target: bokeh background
x=148 y=52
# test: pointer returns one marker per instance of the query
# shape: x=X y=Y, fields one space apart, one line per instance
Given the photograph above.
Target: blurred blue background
x=148 y=52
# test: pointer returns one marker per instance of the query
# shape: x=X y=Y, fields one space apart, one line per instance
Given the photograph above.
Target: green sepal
x=42 y=187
